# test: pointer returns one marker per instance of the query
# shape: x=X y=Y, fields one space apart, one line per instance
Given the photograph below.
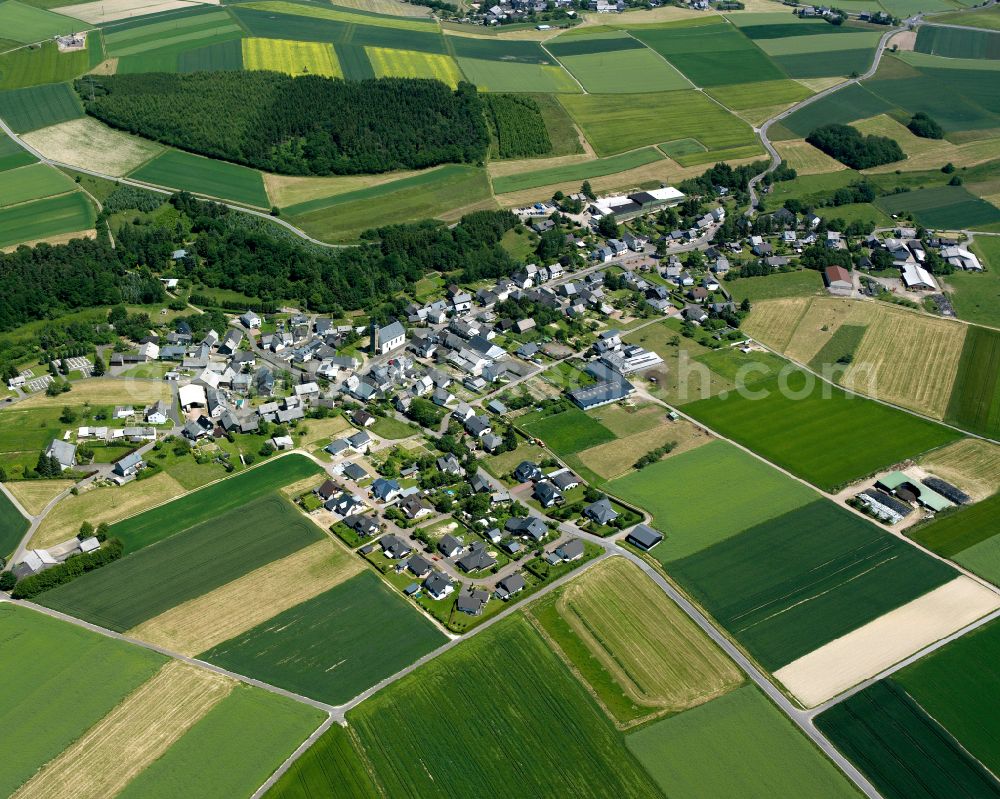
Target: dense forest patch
x=306 y=125
x=850 y=147
x=518 y=125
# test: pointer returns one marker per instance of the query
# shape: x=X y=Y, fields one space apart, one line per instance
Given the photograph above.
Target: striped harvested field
x=773 y=322
x=971 y=464
x=806 y=159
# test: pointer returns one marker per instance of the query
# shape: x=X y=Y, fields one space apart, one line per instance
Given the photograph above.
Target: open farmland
x=90 y=144
x=975 y=400
x=850 y=103
x=292 y=58
x=192 y=29
x=27 y=24
x=952 y=534
x=727 y=748
x=12 y=155
x=618 y=71
x=943 y=207
x=503 y=76
x=39 y=106
x=32 y=182
x=802 y=579
x=13 y=526
x=204 y=557
x=566 y=432
x=617 y=458
x=796 y=414
x=39 y=219
x=656 y=661
x=45 y=64
x=806 y=159
x=413 y=64
x=220 y=55
x=442 y=730
x=927 y=154
x=180 y=170
x=804 y=282
x=335 y=645
x=34 y=495
x=577 y=171
x=901 y=749
x=976 y=296
x=754 y=493
x=332 y=766
x=958 y=42
x=59 y=654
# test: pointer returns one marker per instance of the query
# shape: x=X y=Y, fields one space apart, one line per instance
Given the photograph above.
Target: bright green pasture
x=740 y=96
x=26 y=24
x=41 y=664
x=504 y=76
x=45 y=64
x=330 y=767
x=825 y=43
x=754 y=492
x=624 y=71
x=566 y=432
x=727 y=748
x=32 y=182
x=958 y=43
x=231 y=751
x=791 y=420
x=155 y=35
x=847 y=105
x=615 y=123
x=801 y=283
x=939 y=62
x=39 y=106
x=576 y=172
x=961 y=529
x=943 y=207
x=336 y=645
x=180 y=170
x=39 y=219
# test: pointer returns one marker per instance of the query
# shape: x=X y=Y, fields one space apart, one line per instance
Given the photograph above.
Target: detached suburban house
x=62 y=451
x=128 y=466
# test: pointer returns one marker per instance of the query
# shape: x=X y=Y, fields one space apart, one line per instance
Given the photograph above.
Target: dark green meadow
x=975 y=397
x=798 y=581
x=566 y=432
x=331 y=767
x=39 y=106
x=13 y=526
x=960 y=529
x=943 y=207
x=509 y=51
x=958 y=42
x=221 y=55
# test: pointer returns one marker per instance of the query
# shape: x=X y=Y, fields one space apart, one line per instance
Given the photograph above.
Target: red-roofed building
x=838 y=281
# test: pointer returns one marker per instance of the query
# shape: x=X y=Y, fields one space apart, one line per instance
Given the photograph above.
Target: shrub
x=7 y=581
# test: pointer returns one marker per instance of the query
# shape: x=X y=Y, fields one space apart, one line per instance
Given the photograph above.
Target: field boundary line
x=666 y=60
x=290 y=760
x=564 y=68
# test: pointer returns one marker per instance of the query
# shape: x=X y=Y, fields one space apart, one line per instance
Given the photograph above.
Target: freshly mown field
x=621 y=71
x=728 y=748
x=330 y=767
x=795 y=416
x=292 y=58
x=901 y=749
x=615 y=123
x=215 y=500
x=39 y=219
x=754 y=492
x=446 y=729
x=48 y=694
x=566 y=432
x=39 y=106
x=180 y=170
x=32 y=182
x=186 y=565
x=13 y=526
x=583 y=170
x=943 y=207
x=957 y=42
x=639 y=664
x=798 y=581
x=960 y=529
x=975 y=400
x=333 y=646
x=231 y=750
x=972 y=464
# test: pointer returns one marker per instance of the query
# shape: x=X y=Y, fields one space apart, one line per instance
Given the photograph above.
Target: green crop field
x=347 y=15
x=847 y=105
x=829 y=44
x=330 y=767
x=26 y=24
x=231 y=751
x=576 y=172
x=219 y=498
x=130 y=591
x=625 y=71
x=983 y=559
x=801 y=283
x=976 y=296
x=334 y=646
x=844 y=342
x=39 y=106
x=45 y=64
x=32 y=182
x=740 y=96
x=413 y=64
x=566 y=432
x=222 y=55
x=188 y=30
x=503 y=76
x=454 y=727
x=792 y=428
x=727 y=748
x=711 y=55
x=507 y=51
x=958 y=43
x=943 y=207
x=354 y=62
x=13 y=526
x=12 y=155
x=754 y=492
x=67 y=213
x=48 y=692
x=988 y=18
x=829 y=64
x=615 y=123
x=180 y=170
x=902 y=750
x=958 y=530
x=975 y=397
x=800 y=580
x=959 y=686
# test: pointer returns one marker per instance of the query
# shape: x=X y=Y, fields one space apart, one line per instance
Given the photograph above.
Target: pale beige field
x=806 y=159
x=101 y=11
x=908 y=359
x=904 y=40
x=658 y=656
x=393 y=8
x=59 y=238
x=819 y=84
x=772 y=322
x=103 y=391
x=517 y=166
x=971 y=464
x=98 y=505
x=285 y=190
x=201 y=623
x=821 y=320
x=132 y=736
x=615 y=458
x=89 y=144
x=34 y=495
x=652 y=15
x=927 y=153
x=869 y=650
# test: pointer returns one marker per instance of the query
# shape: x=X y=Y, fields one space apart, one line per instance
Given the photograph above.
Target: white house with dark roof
x=385 y=339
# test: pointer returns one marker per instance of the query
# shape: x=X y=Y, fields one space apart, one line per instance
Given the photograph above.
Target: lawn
x=292 y=58
x=566 y=432
x=231 y=750
x=943 y=207
x=901 y=749
x=449 y=728
x=189 y=564
x=330 y=767
x=801 y=283
x=791 y=419
x=206 y=176
x=392 y=428
x=39 y=219
x=737 y=745
x=976 y=296
x=624 y=71
x=751 y=492
x=639 y=664
x=975 y=399
x=32 y=182
x=48 y=691
x=800 y=580
x=13 y=526
x=615 y=123
x=206 y=504
x=583 y=170
x=334 y=646
x=958 y=530
x=39 y=106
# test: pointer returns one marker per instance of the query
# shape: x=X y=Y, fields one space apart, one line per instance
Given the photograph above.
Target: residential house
x=415 y=507
x=385 y=490
x=476 y=559
x=547 y=494
x=128 y=466
x=509 y=587
x=601 y=512
x=527 y=470
x=394 y=547
x=531 y=526
x=472 y=601
x=571 y=550
x=644 y=537
x=439 y=586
